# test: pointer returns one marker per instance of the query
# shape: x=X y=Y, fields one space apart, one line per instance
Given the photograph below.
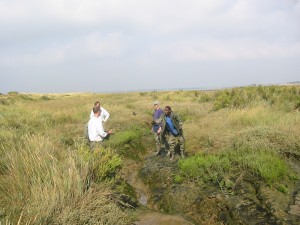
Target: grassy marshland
x=48 y=175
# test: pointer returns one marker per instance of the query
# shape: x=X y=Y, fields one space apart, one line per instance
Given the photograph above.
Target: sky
x=63 y=46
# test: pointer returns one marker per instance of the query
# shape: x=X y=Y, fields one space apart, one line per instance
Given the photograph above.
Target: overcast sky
x=118 y=45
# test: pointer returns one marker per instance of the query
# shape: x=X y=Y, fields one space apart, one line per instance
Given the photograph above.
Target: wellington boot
x=156 y=153
x=182 y=155
x=172 y=157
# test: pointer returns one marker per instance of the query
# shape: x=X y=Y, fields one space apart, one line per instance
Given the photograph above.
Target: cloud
x=94 y=45
x=203 y=50
x=125 y=37
x=161 y=16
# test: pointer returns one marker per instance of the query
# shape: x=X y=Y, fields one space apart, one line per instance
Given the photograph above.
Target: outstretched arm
x=105 y=114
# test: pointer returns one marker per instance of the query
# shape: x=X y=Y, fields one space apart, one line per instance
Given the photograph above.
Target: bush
x=205 y=98
x=105 y=163
x=128 y=142
x=263 y=162
x=204 y=166
x=285 y=98
x=12 y=93
x=45 y=98
x=267 y=138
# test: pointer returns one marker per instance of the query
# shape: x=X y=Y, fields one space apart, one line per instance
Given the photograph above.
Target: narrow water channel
x=150 y=216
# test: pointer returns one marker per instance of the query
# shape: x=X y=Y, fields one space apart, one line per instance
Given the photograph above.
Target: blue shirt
x=170 y=126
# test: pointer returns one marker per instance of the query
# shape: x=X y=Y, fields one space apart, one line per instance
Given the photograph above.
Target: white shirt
x=95 y=129
x=104 y=115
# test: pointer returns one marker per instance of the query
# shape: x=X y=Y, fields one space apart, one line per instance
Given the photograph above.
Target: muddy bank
x=248 y=201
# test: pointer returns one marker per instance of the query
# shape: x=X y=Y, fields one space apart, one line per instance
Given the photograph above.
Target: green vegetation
x=48 y=174
x=129 y=142
x=286 y=98
x=204 y=166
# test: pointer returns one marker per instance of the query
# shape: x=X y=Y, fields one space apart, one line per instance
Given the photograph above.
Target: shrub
x=205 y=98
x=267 y=138
x=44 y=98
x=105 y=162
x=12 y=93
x=128 y=142
x=204 y=166
x=267 y=164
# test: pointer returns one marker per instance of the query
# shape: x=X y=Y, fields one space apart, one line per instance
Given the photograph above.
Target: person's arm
x=179 y=122
x=105 y=114
x=92 y=114
x=100 y=130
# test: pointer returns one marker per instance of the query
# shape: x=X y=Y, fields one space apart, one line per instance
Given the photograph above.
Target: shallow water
x=155 y=218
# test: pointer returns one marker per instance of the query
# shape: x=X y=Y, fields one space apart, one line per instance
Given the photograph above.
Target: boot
x=182 y=154
x=172 y=157
x=168 y=153
x=157 y=150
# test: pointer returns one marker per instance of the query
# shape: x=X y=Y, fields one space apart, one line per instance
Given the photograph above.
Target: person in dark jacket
x=171 y=126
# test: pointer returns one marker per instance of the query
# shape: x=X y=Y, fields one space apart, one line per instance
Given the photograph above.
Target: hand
x=158 y=131
x=110 y=131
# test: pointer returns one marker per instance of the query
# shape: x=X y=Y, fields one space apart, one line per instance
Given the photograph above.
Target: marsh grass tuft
x=105 y=162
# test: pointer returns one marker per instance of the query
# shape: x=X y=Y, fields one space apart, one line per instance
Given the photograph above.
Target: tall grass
x=34 y=182
x=44 y=190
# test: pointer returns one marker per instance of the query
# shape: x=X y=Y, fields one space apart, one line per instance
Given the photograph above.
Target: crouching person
x=96 y=132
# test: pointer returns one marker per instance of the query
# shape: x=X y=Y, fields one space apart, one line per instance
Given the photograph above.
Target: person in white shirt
x=96 y=132
x=104 y=114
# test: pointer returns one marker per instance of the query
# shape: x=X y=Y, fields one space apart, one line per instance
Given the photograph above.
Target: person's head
x=97 y=103
x=156 y=104
x=168 y=110
x=97 y=110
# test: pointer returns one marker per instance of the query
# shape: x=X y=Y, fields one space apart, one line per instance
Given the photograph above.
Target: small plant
x=205 y=98
x=282 y=189
x=44 y=98
x=178 y=179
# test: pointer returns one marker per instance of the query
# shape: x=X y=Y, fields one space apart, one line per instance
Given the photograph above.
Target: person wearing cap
x=171 y=125
x=156 y=126
x=96 y=131
x=104 y=114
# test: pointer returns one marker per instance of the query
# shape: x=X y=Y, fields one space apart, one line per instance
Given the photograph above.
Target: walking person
x=171 y=125
x=96 y=131
x=156 y=126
